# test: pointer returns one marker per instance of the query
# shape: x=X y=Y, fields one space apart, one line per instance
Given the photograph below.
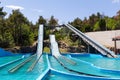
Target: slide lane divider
x=15 y=68
x=3 y=65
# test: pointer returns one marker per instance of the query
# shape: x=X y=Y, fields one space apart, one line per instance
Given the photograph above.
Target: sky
x=63 y=10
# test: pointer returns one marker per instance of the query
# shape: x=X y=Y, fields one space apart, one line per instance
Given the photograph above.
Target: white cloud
x=37 y=10
x=115 y=1
x=14 y=7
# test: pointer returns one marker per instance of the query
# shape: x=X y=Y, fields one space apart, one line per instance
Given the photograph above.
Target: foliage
x=27 y=36
x=41 y=20
x=17 y=20
x=111 y=24
x=52 y=21
x=17 y=30
x=102 y=24
x=2 y=14
x=77 y=23
x=96 y=27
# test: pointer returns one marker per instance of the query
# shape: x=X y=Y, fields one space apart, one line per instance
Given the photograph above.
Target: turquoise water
x=102 y=62
x=22 y=74
x=82 y=66
x=89 y=64
x=57 y=66
x=53 y=76
x=6 y=59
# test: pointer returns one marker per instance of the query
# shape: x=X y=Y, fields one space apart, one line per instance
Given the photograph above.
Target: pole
x=115 y=47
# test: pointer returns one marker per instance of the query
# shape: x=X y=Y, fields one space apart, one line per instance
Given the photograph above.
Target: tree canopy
x=17 y=30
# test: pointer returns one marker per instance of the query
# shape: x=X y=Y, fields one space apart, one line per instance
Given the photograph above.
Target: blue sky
x=63 y=10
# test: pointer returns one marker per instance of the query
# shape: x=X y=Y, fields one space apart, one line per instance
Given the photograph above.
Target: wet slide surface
x=21 y=73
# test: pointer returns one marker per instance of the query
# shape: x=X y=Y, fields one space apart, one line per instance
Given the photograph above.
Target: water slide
x=54 y=47
x=55 y=50
x=38 y=53
x=11 y=62
x=18 y=66
x=64 y=60
x=39 y=47
x=40 y=41
x=103 y=50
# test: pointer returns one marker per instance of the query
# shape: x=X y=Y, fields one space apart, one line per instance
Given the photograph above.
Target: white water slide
x=39 y=47
x=54 y=46
x=40 y=41
x=103 y=50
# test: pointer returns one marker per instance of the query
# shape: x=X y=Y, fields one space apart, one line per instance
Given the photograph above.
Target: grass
x=46 y=49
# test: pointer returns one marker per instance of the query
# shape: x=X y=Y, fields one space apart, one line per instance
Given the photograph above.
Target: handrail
x=94 y=44
x=39 y=47
x=21 y=64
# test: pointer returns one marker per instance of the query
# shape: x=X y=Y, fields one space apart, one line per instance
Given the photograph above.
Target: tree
x=53 y=21
x=102 y=24
x=111 y=23
x=96 y=27
x=6 y=39
x=92 y=20
x=26 y=35
x=41 y=20
x=16 y=20
x=2 y=20
x=86 y=28
x=77 y=23
x=2 y=14
x=98 y=15
x=118 y=13
x=118 y=20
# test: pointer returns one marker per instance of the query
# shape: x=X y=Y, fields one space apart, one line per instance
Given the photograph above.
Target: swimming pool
x=73 y=67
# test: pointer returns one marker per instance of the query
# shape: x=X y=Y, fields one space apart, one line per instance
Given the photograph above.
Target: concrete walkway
x=105 y=37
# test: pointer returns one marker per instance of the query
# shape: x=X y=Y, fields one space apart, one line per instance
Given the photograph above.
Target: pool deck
x=105 y=37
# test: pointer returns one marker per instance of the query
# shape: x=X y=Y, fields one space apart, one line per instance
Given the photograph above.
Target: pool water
x=22 y=74
x=73 y=67
x=83 y=66
x=102 y=62
x=8 y=58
